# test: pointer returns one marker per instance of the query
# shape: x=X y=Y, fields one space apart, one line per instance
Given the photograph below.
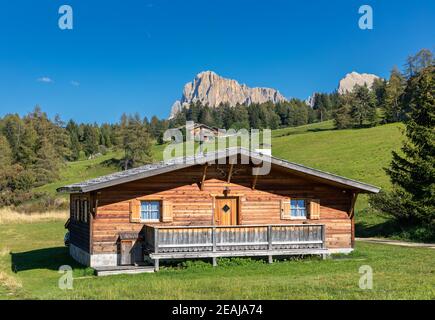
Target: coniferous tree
x=363 y=108
x=392 y=105
x=47 y=164
x=73 y=132
x=413 y=171
x=5 y=153
x=90 y=140
x=136 y=143
x=342 y=117
x=378 y=88
x=417 y=62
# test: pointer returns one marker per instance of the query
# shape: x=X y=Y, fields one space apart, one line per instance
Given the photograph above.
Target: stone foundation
x=93 y=260
x=104 y=260
x=79 y=255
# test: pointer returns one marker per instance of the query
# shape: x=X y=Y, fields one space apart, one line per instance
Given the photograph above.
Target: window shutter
x=167 y=215
x=285 y=208
x=135 y=211
x=315 y=209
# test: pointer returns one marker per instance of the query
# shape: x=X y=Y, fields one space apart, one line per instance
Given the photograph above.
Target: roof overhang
x=185 y=162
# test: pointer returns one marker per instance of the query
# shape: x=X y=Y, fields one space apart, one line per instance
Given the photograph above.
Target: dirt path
x=398 y=242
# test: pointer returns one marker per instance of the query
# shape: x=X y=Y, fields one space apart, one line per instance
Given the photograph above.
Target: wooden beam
x=351 y=211
x=254 y=182
x=230 y=173
x=352 y=218
x=204 y=174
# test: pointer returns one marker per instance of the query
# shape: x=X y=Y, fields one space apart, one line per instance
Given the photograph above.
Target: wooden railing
x=215 y=239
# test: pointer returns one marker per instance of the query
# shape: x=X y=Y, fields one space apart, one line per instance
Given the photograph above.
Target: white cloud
x=45 y=79
x=75 y=83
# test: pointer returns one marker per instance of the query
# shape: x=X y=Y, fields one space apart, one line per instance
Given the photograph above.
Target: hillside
x=355 y=153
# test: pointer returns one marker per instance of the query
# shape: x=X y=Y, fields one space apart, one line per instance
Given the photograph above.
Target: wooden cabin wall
x=193 y=206
x=78 y=228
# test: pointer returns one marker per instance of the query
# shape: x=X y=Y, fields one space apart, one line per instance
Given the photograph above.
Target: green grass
x=37 y=251
x=314 y=127
x=355 y=153
x=87 y=169
x=360 y=154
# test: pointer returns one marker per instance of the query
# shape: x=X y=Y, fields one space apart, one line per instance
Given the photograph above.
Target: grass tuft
x=10 y=216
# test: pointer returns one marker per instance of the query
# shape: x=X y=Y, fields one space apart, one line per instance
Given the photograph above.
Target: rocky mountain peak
x=209 y=88
x=354 y=78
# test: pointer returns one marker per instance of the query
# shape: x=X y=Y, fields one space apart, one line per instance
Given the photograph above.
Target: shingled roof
x=150 y=170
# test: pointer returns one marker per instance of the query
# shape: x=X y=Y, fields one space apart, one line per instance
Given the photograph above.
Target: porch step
x=110 y=271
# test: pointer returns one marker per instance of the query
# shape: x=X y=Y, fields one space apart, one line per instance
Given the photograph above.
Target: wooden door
x=226 y=211
x=126 y=252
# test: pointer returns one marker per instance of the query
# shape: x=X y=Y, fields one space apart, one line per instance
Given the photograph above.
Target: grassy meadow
x=31 y=246
x=31 y=253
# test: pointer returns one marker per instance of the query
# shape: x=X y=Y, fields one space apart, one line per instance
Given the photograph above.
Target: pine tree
x=75 y=147
x=363 y=106
x=136 y=142
x=417 y=62
x=393 y=111
x=47 y=164
x=378 y=88
x=91 y=140
x=413 y=171
x=5 y=153
x=342 y=118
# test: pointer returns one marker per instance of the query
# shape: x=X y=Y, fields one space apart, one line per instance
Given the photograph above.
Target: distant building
x=204 y=133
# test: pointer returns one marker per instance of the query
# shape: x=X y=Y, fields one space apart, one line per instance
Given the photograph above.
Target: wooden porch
x=183 y=242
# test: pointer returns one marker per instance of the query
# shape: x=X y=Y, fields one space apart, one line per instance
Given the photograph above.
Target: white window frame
x=305 y=208
x=159 y=210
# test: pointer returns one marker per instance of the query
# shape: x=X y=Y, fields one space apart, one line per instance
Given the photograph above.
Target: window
x=150 y=210
x=298 y=208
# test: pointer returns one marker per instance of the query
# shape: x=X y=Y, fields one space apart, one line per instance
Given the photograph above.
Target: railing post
x=269 y=240
x=213 y=238
x=323 y=236
x=269 y=237
x=156 y=240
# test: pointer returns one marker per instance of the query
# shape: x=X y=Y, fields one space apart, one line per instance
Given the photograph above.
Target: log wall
x=193 y=204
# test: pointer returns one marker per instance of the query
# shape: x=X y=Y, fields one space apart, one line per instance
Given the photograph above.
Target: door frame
x=121 y=251
x=238 y=211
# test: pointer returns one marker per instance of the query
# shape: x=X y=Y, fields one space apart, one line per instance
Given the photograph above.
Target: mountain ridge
x=211 y=89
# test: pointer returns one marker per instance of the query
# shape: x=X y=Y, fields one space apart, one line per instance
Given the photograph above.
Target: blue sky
x=135 y=56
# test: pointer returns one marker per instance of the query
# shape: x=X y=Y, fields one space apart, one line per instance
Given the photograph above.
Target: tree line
x=34 y=148
x=384 y=102
x=266 y=115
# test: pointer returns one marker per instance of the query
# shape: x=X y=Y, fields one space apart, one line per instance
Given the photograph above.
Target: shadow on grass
x=384 y=229
x=286 y=134
x=47 y=258
x=392 y=229
x=321 y=129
